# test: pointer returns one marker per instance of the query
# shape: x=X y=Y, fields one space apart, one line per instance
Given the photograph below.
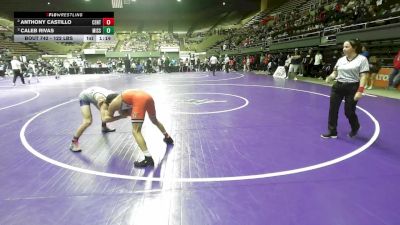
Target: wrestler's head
x=110 y=98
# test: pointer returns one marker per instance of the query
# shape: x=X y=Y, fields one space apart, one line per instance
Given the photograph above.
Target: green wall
x=391 y=31
x=306 y=42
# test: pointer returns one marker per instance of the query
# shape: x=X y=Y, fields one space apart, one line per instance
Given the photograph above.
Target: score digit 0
x=108 y=21
x=108 y=30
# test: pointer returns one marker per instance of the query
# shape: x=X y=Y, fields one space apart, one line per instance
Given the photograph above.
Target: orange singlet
x=141 y=103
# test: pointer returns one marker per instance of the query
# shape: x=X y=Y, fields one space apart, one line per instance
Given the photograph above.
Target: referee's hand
x=357 y=96
x=329 y=79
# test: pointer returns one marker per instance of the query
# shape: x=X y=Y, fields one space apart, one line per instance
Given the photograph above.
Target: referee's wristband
x=360 y=89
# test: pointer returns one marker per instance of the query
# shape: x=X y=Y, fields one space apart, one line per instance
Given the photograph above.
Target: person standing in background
x=32 y=71
x=317 y=64
x=396 y=67
x=365 y=52
x=226 y=63
x=2 y=69
x=287 y=64
x=374 y=67
x=127 y=63
x=213 y=64
x=308 y=61
x=294 y=66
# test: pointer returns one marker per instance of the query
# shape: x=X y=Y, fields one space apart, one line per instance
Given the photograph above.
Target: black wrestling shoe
x=353 y=133
x=329 y=135
x=169 y=140
x=148 y=161
x=107 y=130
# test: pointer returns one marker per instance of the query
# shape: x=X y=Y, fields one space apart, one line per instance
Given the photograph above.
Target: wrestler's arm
x=100 y=100
x=102 y=106
x=107 y=111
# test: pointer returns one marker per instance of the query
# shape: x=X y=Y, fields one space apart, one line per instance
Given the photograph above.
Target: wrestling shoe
x=75 y=147
x=107 y=130
x=169 y=140
x=147 y=161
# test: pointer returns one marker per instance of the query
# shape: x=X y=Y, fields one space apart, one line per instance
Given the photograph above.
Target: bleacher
x=16 y=48
x=134 y=42
x=300 y=19
x=110 y=46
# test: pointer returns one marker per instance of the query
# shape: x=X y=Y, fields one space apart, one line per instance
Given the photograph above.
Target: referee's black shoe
x=329 y=135
x=147 y=161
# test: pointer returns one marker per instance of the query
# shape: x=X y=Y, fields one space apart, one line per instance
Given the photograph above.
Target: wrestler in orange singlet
x=136 y=102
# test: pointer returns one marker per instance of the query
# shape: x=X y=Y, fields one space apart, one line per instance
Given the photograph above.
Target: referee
x=16 y=67
x=351 y=72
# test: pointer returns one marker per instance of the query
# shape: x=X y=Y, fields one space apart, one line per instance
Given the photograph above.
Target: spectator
x=32 y=71
x=374 y=67
x=394 y=79
x=317 y=64
x=395 y=8
x=226 y=63
x=127 y=63
x=213 y=64
x=287 y=64
x=295 y=61
x=308 y=61
x=2 y=69
x=365 y=52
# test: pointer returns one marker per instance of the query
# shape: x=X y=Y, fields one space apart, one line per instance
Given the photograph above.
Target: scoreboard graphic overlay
x=63 y=26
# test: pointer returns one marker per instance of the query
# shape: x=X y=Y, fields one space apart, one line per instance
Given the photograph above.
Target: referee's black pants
x=213 y=68
x=339 y=91
x=17 y=73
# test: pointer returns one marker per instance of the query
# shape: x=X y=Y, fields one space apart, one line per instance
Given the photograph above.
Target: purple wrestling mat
x=247 y=151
